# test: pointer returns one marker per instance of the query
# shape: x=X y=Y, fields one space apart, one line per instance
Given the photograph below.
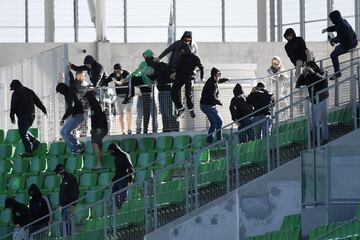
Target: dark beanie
x=117 y=66
x=237 y=90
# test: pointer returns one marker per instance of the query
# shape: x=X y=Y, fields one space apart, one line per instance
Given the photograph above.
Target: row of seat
x=12 y=136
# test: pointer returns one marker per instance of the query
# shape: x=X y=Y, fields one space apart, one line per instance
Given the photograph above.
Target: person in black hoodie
x=239 y=108
x=20 y=217
x=99 y=126
x=23 y=102
x=123 y=167
x=39 y=207
x=74 y=116
x=296 y=50
x=262 y=101
x=94 y=69
x=346 y=37
x=209 y=100
x=185 y=75
x=69 y=193
x=316 y=80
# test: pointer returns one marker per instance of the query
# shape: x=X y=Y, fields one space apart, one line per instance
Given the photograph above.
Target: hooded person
x=94 y=69
x=175 y=48
x=39 y=207
x=23 y=102
x=296 y=50
x=209 y=100
x=20 y=216
x=346 y=39
x=123 y=168
x=185 y=75
x=239 y=109
x=143 y=78
x=74 y=116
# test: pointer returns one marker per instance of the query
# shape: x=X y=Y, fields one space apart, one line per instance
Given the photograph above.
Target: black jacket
x=345 y=34
x=162 y=74
x=210 y=93
x=123 y=165
x=259 y=99
x=69 y=190
x=73 y=104
x=79 y=87
x=186 y=66
x=19 y=211
x=239 y=107
x=39 y=205
x=96 y=73
x=98 y=116
x=24 y=100
x=124 y=88
x=295 y=48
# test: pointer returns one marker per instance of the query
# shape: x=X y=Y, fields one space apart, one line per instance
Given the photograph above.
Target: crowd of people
x=83 y=98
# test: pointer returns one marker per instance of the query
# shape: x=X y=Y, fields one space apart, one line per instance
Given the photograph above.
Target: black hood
x=238 y=90
x=15 y=84
x=335 y=17
x=34 y=191
x=260 y=85
x=91 y=97
x=289 y=31
x=185 y=49
x=214 y=71
x=89 y=60
x=62 y=88
x=10 y=203
x=187 y=34
x=114 y=147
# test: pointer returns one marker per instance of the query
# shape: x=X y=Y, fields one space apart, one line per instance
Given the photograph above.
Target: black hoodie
x=96 y=73
x=175 y=50
x=123 y=163
x=187 y=64
x=73 y=104
x=345 y=34
x=296 y=47
x=20 y=212
x=98 y=116
x=39 y=205
x=238 y=106
x=210 y=92
x=24 y=100
x=259 y=99
x=69 y=189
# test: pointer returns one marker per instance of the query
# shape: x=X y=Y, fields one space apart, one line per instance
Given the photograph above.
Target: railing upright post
x=291 y=94
x=196 y=179
x=155 y=204
x=113 y=198
x=227 y=159
x=277 y=139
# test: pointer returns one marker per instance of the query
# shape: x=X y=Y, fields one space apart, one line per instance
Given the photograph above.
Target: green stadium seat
x=3 y=197
x=164 y=143
x=146 y=144
x=19 y=149
x=34 y=132
x=16 y=183
x=128 y=144
x=88 y=147
x=38 y=180
x=89 y=163
x=88 y=180
x=96 y=212
x=41 y=150
x=181 y=142
x=144 y=159
x=52 y=183
x=357 y=213
x=133 y=157
x=141 y=176
x=5 y=167
x=12 y=136
x=163 y=176
x=74 y=163
x=23 y=198
x=134 y=192
x=105 y=179
x=108 y=161
x=182 y=156
x=6 y=150
x=93 y=196
x=5 y=216
x=54 y=200
x=57 y=149
x=291 y=222
x=199 y=141
x=51 y=162
x=162 y=159
x=106 y=144
x=81 y=213
x=37 y=166
x=2 y=136
x=20 y=165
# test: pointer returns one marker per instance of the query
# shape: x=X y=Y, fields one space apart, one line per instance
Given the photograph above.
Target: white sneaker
x=98 y=166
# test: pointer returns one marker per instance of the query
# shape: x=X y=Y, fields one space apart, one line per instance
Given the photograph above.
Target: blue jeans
x=66 y=212
x=339 y=50
x=263 y=127
x=71 y=123
x=247 y=135
x=215 y=121
x=24 y=123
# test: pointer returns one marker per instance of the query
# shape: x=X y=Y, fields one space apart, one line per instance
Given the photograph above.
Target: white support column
x=100 y=20
x=261 y=21
x=49 y=8
x=272 y=20
x=357 y=18
x=330 y=7
x=302 y=18
x=279 y=21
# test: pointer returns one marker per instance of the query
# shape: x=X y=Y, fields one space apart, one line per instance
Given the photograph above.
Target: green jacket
x=142 y=69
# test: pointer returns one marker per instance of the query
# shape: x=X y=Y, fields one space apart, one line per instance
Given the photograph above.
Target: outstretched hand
x=324 y=30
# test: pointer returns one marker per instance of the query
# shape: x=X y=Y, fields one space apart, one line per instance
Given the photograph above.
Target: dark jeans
x=24 y=123
x=215 y=121
x=247 y=135
x=37 y=227
x=145 y=106
x=120 y=197
x=176 y=92
x=166 y=110
x=339 y=50
x=66 y=212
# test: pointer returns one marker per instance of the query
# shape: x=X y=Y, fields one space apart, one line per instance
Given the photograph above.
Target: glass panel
x=87 y=31
x=236 y=34
x=201 y=34
x=290 y=11
x=36 y=34
x=307 y=162
x=64 y=21
x=36 y=21
x=313 y=31
x=346 y=7
x=12 y=34
x=147 y=34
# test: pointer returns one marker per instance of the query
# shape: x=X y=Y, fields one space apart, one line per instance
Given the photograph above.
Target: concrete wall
x=253 y=209
x=129 y=55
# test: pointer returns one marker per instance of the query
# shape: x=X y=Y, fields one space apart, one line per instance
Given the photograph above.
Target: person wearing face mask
x=122 y=89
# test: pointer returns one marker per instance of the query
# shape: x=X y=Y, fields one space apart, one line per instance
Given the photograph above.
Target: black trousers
x=176 y=92
x=24 y=123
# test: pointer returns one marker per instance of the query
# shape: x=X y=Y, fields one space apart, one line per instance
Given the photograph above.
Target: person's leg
x=120 y=108
x=140 y=114
x=97 y=136
x=218 y=122
x=189 y=93
x=266 y=126
x=71 y=123
x=120 y=192
x=23 y=126
x=176 y=93
x=206 y=109
x=129 y=115
x=298 y=66
x=146 y=110
x=339 y=50
x=257 y=126
x=65 y=221
x=154 y=113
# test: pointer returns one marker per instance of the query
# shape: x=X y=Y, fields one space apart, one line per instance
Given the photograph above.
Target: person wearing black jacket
x=94 y=69
x=346 y=37
x=69 y=193
x=20 y=217
x=209 y=100
x=23 y=102
x=122 y=90
x=296 y=50
x=316 y=80
x=185 y=76
x=239 y=108
x=99 y=126
x=123 y=167
x=74 y=116
x=262 y=101
x=39 y=207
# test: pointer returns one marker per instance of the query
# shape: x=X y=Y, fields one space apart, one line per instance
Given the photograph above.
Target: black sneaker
x=180 y=112
x=129 y=131
x=335 y=76
x=192 y=113
x=36 y=145
x=26 y=154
